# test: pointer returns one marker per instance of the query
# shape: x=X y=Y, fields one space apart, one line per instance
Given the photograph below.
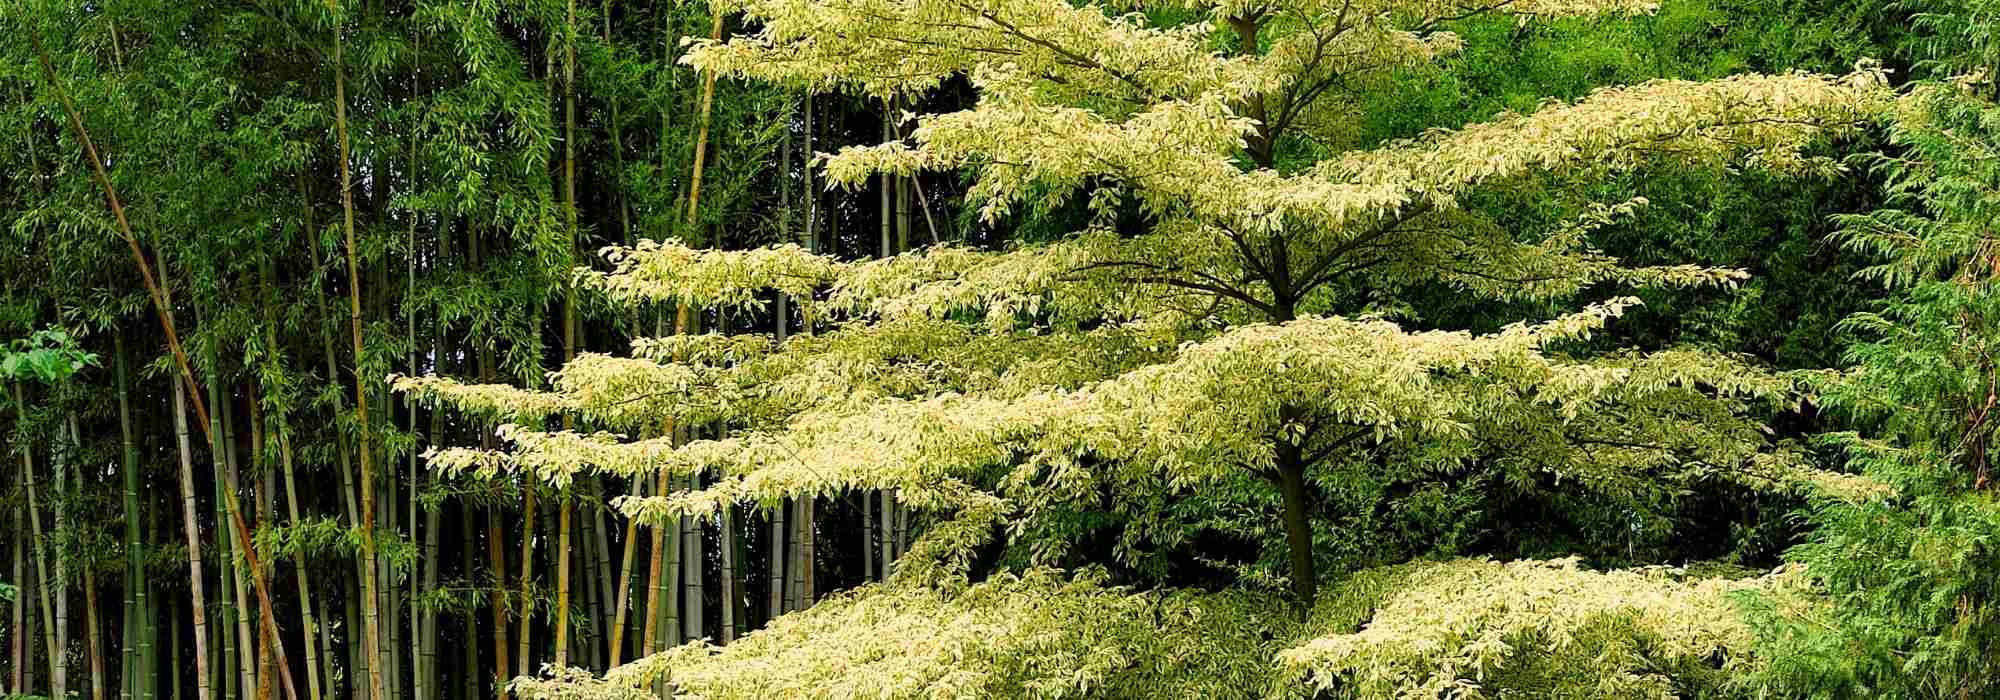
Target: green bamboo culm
x=138 y=672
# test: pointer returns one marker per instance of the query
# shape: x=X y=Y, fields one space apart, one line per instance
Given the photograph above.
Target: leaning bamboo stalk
x=160 y=306
x=225 y=460
x=615 y=634
x=656 y=582
x=691 y=557
x=627 y=559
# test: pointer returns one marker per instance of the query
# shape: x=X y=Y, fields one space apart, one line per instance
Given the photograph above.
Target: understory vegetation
x=749 y=349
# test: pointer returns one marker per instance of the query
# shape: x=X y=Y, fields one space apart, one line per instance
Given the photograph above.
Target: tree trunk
x=1298 y=529
x=618 y=156
x=304 y=575
x=589 y=650
x=562 y=579
x=346 y=467
x=807 y=192
x=631 y=533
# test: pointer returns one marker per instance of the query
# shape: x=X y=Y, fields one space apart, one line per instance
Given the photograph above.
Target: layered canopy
x=1233 y=320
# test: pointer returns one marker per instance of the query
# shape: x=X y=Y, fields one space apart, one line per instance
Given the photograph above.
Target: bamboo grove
x=1012 y=348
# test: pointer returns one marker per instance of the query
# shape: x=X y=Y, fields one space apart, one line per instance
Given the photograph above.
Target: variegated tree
x=1233 y=324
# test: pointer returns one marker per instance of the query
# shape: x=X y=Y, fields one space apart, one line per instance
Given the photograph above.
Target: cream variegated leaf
x=1470 y=628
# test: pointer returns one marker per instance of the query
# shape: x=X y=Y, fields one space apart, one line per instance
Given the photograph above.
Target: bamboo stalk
x=198 y=606
x=524 y=664
x=227 y=503
x=566 y=503
x=136 y=645
x=18 y=632
x=601 y=547
x=55 y=655
x=496 y=555
x=627 y=559
x=282 y=427
x=371 y=625
x=93 y=655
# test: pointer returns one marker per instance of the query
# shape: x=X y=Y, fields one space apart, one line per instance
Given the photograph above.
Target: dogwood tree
x=1235 y=315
